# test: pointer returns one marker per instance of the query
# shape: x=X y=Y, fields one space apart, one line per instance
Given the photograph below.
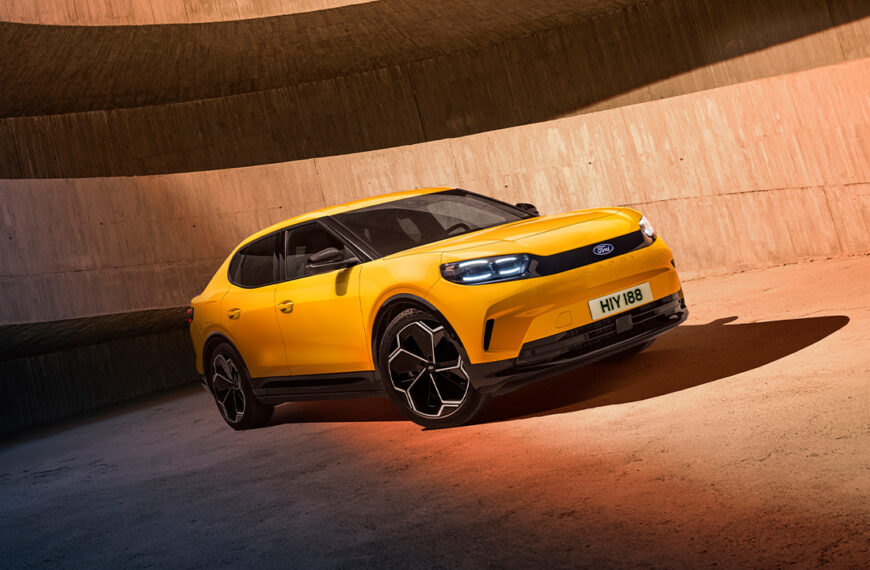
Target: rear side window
x=255 y=265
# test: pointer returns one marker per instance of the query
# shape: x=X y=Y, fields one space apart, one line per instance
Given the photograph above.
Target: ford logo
x=602 y=249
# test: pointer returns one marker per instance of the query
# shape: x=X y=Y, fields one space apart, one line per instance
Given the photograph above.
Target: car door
x=248 y=309
x=319 y=308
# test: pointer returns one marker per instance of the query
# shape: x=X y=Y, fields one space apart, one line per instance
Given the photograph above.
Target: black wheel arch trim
x=381 y=321
x=213 y=339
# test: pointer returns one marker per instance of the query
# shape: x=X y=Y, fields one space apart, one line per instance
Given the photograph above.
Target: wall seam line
x=406 y=70
x=834 y=224
x=319 y=182
x=834 y=27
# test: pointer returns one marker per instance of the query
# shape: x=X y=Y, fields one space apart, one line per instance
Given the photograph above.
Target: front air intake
x=487 y=333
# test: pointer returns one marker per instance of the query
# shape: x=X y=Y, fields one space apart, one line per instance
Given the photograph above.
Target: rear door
x=248 y=309
x=319 y=310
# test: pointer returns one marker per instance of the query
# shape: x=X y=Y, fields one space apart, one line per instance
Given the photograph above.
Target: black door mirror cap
x=329 y=259
x=328 y=255
x=331 y=265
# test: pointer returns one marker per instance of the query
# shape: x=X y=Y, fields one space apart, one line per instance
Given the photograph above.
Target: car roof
x=347 y=206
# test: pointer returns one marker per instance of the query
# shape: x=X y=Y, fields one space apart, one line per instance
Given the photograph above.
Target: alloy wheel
x=227 y=387
x=425 y=365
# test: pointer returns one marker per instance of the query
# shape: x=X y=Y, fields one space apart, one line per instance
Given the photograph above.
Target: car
x=440 y=298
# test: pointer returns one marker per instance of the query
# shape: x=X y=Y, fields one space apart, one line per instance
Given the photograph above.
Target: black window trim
x=360 y=248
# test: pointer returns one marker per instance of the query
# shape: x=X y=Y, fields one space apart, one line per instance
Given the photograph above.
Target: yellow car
x=440 y=298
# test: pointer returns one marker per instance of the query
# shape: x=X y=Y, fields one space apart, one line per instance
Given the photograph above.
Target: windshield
x=403 y=224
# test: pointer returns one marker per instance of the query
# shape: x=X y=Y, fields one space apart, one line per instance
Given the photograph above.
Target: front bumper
x=554 y=354
x=494 y=321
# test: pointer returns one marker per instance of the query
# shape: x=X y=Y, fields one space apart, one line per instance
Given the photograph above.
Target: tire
x=629 y=352
x=423 y=367
x=230 y=385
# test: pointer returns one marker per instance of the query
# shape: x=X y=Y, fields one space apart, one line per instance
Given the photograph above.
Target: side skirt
x=278 y=389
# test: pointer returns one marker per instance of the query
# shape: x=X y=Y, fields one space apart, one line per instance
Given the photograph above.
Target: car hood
x=542 y=235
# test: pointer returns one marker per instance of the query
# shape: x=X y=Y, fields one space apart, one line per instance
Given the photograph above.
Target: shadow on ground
x=688 y=356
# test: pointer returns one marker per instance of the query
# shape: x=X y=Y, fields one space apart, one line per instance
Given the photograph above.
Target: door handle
x=234 y=313
x=285 y=306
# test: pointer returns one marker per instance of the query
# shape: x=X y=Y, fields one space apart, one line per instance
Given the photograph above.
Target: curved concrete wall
x=763 y=172
x=378 y=75
x=148 y=12
x=73 y=69
x=766 y=172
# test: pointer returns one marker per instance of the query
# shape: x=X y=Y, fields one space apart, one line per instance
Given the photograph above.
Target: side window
x=255 y=264
x=304 y=241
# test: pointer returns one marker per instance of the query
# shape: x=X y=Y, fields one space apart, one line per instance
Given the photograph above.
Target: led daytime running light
x=487 y=269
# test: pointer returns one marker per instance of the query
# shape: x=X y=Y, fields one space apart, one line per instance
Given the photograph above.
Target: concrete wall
x=378 y=75
x=147 y=12
x=45 y=387
x=758 y=173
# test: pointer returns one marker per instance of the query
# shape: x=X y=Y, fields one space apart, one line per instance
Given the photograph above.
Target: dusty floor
x=740 y=439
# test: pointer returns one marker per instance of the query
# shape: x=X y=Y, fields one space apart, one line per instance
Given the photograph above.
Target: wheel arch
x=392 y=307
x=214 y=339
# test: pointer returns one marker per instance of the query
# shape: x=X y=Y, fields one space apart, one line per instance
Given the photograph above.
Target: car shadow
x=688 y=356
x=353 y=410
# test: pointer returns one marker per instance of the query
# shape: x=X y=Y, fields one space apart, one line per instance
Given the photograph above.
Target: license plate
x=620 y=301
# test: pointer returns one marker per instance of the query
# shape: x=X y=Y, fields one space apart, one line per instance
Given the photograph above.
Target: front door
x=319 y=310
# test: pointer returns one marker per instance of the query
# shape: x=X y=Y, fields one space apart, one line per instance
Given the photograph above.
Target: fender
x=394 y=305
x=214 y=338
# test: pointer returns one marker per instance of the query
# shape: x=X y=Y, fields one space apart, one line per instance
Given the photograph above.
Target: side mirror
x=529 y=208
x=330 y=258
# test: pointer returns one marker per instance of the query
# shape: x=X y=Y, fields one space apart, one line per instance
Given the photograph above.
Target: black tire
x=230 y=385
x=430 y=384
x=629 y=352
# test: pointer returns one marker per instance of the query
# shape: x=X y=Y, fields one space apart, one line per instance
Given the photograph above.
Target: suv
x=439 y=298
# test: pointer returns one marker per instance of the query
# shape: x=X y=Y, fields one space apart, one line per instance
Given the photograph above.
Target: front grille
x=600 y=334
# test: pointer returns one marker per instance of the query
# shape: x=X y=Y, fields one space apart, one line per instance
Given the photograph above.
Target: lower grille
x=597 y=335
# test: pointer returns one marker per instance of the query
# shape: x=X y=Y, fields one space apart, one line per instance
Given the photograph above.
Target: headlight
x=646 y=227
x=487 y=269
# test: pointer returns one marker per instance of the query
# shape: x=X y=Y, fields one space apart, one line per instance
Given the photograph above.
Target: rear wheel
x=231 y=387
x=424 y=369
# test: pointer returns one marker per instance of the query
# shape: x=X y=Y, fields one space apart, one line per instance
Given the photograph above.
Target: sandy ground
x=740 y=439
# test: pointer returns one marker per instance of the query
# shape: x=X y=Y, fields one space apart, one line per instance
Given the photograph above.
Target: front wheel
x=231 y=387
x=424 y=369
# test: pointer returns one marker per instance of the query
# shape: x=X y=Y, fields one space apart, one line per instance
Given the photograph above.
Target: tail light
x=189 y=314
